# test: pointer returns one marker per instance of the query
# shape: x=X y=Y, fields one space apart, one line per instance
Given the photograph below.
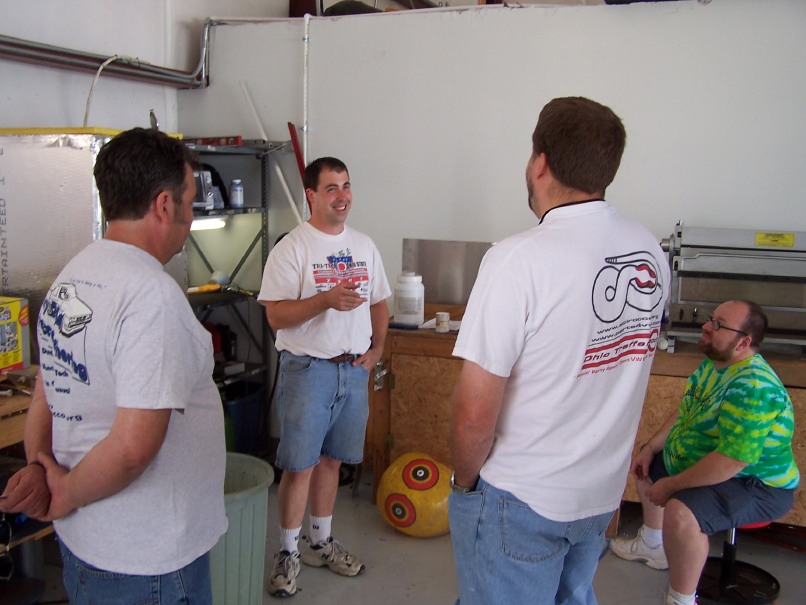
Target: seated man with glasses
x=722 y=460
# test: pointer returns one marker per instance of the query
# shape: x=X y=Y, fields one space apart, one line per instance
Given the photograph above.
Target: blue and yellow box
x=15 y=344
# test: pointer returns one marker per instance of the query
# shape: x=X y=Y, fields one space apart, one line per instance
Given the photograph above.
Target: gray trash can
x=237 y=561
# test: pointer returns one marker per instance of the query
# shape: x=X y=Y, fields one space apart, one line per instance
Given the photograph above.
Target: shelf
x=204 y=300
x=252 y=370
x=242 y=241
x=199 y=213
x=257 y=147
x=29 y=529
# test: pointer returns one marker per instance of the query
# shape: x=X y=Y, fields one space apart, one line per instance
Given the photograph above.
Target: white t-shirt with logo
x=570 y=312
x=116 y=331
x=306 y=262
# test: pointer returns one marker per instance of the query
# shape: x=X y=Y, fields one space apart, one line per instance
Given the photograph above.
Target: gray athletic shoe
x=637 y=550
x=283 y=581
x=332 y=554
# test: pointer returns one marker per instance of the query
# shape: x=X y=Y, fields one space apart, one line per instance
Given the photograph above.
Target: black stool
x=726 y=580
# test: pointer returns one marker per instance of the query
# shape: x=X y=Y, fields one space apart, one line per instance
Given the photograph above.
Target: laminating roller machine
x=712 y=265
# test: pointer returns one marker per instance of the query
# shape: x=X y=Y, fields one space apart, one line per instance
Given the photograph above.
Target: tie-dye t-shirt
x=743 y=412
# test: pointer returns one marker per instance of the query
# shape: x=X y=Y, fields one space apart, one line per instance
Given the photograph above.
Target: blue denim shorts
x=86 y=584
x=732 y=503
x=322 y=408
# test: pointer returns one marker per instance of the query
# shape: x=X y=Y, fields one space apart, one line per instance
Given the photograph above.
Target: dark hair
x=134 y=167
x=755 y=324
x=311 y=178
x=583 y=142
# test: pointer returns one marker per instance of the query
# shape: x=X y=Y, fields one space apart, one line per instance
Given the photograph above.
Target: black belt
x=343 y=358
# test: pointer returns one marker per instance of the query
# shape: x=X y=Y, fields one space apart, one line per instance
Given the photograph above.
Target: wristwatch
x=459 y=489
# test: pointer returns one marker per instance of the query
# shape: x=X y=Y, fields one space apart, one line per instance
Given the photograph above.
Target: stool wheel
x=724 y=580
x=751 y=585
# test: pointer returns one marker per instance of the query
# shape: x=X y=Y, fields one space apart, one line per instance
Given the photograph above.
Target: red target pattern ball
x=400 y=511
x=421 y=474
x=413 y=495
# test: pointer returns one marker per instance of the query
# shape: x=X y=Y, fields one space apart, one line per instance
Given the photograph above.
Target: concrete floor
x=401 y=569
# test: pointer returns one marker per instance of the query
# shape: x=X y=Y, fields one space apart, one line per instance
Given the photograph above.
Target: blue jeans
x=88 y=585
x=507 y=553
x=322 y=408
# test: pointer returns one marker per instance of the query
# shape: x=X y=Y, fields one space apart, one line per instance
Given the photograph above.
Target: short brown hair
x=583 y=142
x=755 y=324
x=310 y=179
x=135 y=166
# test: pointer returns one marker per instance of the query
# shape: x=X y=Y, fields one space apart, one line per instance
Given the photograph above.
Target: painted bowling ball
x=413 y=495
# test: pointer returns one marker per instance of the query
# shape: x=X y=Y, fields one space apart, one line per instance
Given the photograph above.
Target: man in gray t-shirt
x=125 y=431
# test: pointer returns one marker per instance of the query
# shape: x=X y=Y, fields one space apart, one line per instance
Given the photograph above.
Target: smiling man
x=325 y=290
x=724 y=459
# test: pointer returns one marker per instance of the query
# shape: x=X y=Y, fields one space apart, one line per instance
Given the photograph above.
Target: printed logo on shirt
x=62 y=334
x=626 y=280
x=341 y=267
x=624 y=285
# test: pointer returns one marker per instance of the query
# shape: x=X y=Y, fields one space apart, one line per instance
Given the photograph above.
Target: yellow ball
x=413 y=495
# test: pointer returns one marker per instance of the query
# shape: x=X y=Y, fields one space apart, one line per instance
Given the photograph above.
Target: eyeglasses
x=6 y=562
x=718 y=326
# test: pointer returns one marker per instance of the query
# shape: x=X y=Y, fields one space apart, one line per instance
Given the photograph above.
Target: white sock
x=685 y=599
x=320 y=529
x=652 y=537
x=289 y=539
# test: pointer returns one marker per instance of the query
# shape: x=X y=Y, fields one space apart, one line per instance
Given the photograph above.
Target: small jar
x=236 y=194
x=443 y=322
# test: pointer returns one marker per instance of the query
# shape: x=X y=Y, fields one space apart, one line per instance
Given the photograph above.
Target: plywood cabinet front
x=411 y=411
x=420 y=411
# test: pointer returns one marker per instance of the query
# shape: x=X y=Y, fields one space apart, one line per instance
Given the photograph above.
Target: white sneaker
x=332 y=554
x=637 y=550
x=283 y=581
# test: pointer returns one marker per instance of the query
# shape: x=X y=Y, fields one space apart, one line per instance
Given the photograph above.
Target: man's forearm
x=114 y=462
x=37 y=434
x=379 y=317
x=714 y=468
x=476 y=404
x=471 y=445
x=658 y=440
x=283 y=314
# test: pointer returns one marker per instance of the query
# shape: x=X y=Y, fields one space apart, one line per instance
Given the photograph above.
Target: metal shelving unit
x=237 y=304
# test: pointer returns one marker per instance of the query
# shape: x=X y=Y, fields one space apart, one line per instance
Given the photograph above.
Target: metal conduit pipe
x=130 y=68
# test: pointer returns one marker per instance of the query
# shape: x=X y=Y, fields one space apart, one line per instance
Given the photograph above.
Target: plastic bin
x=237 y=562
x=242 y=404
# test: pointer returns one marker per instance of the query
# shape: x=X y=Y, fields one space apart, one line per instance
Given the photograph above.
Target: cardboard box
x=15 y=343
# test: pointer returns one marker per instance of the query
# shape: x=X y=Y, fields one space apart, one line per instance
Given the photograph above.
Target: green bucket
x=237 y=562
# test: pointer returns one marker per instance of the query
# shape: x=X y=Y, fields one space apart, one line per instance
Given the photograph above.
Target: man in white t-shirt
x=558 y=338
x=325 y=291
x=125 y=432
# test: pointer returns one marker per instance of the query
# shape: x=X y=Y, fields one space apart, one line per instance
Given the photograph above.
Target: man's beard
x=712 y=352
x=530 y=192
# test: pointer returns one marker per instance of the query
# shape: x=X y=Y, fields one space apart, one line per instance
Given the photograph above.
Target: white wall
x=162 y=32
x=433 y=110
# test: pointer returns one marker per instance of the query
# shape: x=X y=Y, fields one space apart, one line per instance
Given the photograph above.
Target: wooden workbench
x=13 y=412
